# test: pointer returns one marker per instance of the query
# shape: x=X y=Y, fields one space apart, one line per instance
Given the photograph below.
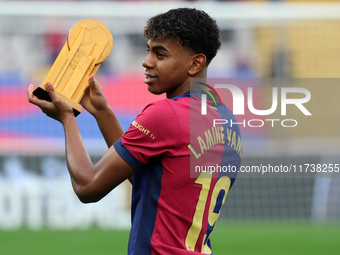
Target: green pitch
x=227 y=238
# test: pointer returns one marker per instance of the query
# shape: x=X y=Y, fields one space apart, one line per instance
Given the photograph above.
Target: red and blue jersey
x=175 y=204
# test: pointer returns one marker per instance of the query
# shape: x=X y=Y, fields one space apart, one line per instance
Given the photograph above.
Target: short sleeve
x=154 y=132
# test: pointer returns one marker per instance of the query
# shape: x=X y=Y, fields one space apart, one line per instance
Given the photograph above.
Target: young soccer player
x=172 y=213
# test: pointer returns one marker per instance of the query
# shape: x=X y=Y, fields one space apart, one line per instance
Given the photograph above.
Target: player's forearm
x=78 y=161
x=109 y=126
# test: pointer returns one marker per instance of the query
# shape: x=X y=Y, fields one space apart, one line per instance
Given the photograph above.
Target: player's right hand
x=58 y=109
x=94 y=100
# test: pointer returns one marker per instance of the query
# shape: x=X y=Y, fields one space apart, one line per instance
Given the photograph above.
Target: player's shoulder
x=158 y=103
x=165 y=106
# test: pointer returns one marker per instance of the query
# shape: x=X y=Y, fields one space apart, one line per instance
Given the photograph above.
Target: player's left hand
x=58 y=109
x=94 y=100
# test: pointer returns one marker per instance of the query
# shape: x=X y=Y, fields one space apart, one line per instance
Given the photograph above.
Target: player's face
x=166 y=67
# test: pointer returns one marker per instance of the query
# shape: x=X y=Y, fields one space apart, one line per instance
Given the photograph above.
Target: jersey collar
x=181 y=96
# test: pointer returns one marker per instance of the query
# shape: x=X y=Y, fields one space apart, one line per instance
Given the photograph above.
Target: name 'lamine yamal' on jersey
x=211 y=145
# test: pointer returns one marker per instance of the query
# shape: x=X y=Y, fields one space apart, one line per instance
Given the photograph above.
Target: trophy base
x=42 y=94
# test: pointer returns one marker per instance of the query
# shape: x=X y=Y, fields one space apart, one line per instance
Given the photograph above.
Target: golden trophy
x=88 y=44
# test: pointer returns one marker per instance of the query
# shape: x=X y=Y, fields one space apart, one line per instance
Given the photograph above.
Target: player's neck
x=180 y=90
x=185 y=87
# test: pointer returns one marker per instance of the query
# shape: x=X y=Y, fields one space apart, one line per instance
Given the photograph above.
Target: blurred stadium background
x=276 y=40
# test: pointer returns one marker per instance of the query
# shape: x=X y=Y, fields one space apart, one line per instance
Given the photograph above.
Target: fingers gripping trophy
x=88 y=44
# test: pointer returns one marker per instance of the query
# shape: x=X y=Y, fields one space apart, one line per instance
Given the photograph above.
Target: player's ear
x=198 y=63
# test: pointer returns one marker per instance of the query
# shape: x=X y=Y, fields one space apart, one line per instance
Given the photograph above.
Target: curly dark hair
x=194 y=29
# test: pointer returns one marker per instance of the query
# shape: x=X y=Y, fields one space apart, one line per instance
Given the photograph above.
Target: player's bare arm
x=90 y=182
x=96 y=104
